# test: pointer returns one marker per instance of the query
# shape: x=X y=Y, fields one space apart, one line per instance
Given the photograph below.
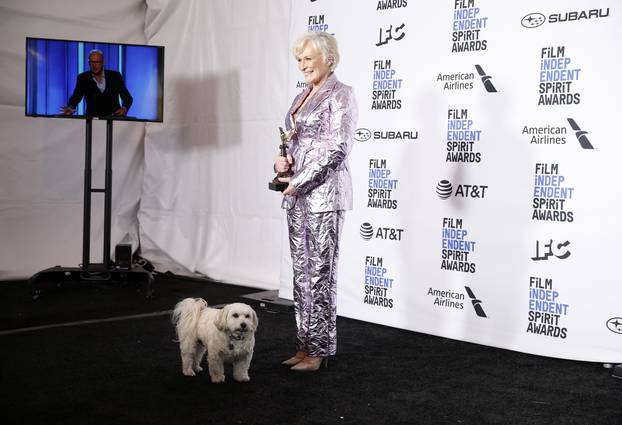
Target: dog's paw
x=243 y=378
x=188 y=372
x=217 y=379
x=198 y=369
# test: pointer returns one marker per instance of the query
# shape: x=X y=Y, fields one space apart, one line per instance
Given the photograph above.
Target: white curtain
x=42 y=160
x=192 y=190
x=205 y=205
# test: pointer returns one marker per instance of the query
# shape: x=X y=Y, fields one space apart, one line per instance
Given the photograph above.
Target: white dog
x=228 y=335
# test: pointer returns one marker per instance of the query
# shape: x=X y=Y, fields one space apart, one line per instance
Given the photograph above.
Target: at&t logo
x=367 y=231
x=387 y=233
x=444 y=190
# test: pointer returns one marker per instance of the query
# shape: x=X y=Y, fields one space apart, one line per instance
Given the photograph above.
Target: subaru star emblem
x=615 y=325
x=533 y=20
x=362 y=135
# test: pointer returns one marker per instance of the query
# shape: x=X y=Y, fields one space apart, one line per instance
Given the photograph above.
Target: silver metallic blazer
x=324 y=131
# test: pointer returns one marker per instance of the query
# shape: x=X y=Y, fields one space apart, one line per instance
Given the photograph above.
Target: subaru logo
x=533 y=20
x=362 y=135
x=615 y=325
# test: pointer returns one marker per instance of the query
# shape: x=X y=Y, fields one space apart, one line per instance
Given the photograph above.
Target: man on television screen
x=101 y=89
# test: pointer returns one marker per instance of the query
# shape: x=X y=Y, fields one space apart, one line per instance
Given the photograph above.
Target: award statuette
x=275 y=184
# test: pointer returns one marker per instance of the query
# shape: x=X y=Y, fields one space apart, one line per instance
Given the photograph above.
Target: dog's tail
x=186 y=317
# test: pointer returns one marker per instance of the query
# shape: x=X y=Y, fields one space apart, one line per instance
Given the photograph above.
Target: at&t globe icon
x=444 y=189
x=367 y=231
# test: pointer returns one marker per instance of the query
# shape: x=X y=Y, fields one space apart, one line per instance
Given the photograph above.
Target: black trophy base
x=94 y=273
x=277 y=185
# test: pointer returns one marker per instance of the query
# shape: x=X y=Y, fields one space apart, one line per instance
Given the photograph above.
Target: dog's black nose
x=243 y=325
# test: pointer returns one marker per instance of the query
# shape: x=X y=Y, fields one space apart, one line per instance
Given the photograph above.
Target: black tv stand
x=90 y=272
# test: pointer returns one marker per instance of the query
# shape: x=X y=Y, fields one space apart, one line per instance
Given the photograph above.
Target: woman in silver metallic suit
x=320 y=190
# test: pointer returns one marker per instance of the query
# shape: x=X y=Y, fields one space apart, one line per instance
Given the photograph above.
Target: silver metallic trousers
x=314 y=245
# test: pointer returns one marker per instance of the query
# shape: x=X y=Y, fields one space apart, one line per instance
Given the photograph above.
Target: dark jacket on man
x=98 y=103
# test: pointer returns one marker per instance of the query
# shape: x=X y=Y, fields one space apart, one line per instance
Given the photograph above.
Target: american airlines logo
x=477 y=304
x=490 y=88
x=581 y=134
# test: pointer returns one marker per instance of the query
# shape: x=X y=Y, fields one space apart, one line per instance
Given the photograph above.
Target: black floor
x=100 y=370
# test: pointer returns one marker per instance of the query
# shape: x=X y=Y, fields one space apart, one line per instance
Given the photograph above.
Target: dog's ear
x=255 y=320
x=221 y=318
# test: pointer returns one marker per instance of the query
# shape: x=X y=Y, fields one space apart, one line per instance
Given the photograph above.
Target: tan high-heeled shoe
x=310 y=364
x=297 y=358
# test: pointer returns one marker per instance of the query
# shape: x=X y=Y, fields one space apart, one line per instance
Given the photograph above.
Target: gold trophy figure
x=275 y=184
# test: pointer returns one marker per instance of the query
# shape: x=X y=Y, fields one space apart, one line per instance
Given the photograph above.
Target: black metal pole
x=86 y=220
x=108 y=195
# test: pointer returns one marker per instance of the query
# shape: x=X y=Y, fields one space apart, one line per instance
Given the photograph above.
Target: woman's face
x=312 y=65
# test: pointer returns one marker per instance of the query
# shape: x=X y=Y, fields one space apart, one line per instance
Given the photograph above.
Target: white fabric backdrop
x=42 y=160
x=204 y=203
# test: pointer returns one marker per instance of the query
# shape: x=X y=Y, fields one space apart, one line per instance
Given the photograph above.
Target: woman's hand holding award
x=276 y=184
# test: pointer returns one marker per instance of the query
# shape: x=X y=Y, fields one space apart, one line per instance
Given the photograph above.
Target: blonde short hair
x=323 y=42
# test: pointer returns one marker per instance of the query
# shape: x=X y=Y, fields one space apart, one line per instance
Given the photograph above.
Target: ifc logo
x=367 y=231
x=444 y=189
x=533 y=20
x=615 y=325
x=362 y=135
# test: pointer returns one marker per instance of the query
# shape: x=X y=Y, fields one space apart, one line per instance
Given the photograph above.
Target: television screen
x=70 y=78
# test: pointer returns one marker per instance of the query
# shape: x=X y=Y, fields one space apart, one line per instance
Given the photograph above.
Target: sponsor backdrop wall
x=485 y=169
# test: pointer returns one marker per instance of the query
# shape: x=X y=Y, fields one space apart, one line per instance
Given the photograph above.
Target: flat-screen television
x=81 y=79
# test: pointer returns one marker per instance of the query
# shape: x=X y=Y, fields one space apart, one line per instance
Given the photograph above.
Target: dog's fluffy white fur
x=228 y=335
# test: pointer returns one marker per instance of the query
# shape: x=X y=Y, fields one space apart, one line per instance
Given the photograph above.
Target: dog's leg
x=216 y=368
x=198 y=356
x=187 y=348
x=240 y=368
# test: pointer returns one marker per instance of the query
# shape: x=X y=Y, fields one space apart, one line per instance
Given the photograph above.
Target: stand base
x=270 y=301
x=94 y=273
x=617 y=372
